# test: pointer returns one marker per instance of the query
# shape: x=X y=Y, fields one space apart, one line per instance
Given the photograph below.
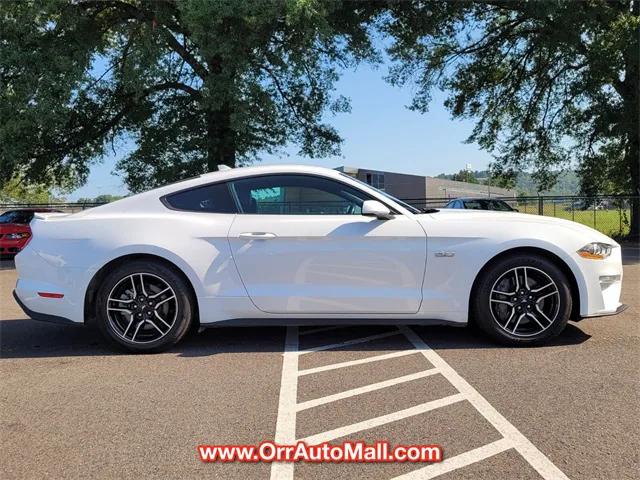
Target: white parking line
x=355 y=341
x=320 y=329
x=288 y=408
x=351 y=363
x=459 y=461
x=366 y=389
x=527 y=449
x=286 y=423
x=382 y=420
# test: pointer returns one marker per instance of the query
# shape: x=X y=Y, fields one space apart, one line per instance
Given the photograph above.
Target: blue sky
x=379 y=133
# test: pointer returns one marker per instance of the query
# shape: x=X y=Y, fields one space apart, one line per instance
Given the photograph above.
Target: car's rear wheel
x=144 y=307
x=522 y=300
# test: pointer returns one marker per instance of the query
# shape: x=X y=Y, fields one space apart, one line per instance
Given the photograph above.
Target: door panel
x=325 y=264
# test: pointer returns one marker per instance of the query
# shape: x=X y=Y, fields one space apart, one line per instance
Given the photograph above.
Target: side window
x=473 y=205
x=214 y=198
x=499 y=205
x=297 y=195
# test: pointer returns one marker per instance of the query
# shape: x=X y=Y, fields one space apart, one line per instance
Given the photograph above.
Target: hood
x=504 y=219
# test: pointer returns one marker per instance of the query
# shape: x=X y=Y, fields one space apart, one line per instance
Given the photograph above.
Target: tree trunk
x=632 y=103
x=221 y=148
x=221 y=142
x=634 y=160
x=631 y=99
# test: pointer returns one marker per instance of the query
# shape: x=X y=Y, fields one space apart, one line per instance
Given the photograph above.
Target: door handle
x=257 y=235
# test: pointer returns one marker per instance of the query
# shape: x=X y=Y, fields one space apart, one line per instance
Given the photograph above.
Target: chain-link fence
x=609 y=214
x=69 y=207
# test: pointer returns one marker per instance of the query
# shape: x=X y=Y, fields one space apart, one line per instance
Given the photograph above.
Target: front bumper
x=618 y=310
x=600 y=285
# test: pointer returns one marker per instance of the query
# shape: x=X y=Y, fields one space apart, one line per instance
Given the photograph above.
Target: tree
x=552 y=84
x=17 y=191
x=195 y=83
x=464 y=176
x=104 y=198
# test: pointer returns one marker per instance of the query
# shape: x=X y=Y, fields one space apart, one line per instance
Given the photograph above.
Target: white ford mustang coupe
x=303 y=245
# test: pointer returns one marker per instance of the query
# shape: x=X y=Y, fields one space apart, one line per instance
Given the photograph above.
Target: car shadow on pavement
x=630 y=254
x=472 y=338
x=24 y=338
x=7 y=263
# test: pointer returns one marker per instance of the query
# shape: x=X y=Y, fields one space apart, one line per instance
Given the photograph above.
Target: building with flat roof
x=407 y=187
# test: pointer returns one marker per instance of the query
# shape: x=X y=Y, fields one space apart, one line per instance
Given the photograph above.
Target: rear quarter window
x=214 y=198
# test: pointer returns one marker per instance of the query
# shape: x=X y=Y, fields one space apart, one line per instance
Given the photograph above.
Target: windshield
x=381 y=192
x=485 y=204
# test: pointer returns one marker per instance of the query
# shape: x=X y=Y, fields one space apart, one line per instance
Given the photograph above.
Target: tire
x=144 y=307
x=520 y=316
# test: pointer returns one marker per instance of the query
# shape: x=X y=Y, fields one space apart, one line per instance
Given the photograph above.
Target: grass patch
x=611 y=222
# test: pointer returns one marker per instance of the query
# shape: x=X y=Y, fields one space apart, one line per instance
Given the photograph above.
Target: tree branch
x=177 y=47
x=169 y=85
x=132 y=12
x=303 y=123
x=94 y=130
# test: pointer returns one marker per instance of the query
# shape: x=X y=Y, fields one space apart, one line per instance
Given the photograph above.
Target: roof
x=148 y=200
x=262 y=169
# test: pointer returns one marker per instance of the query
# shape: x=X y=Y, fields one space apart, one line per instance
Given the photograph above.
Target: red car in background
x=15 y=232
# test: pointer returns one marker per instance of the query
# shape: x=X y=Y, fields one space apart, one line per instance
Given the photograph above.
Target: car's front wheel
x=144 y=306
x=522 y=300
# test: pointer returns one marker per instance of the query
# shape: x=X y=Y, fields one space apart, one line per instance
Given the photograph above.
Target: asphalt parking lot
x=73 y=408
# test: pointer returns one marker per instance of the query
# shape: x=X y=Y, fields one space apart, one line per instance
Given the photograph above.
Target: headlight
x=17 y=236
x=595 y=251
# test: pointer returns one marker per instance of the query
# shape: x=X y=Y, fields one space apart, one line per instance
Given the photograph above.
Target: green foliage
x=552 y=84
x=100 y=199
x=195 y=83
x=567 y=183
x=464 y=176
x=17 y=191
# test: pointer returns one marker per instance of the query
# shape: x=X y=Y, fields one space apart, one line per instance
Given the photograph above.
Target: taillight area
x=17 y=236
x=51 y=295
x=27 y=239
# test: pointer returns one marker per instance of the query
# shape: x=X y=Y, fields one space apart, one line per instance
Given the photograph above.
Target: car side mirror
x=374 y=208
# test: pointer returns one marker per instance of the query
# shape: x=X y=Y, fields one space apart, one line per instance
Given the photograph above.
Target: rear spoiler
x=47 y=215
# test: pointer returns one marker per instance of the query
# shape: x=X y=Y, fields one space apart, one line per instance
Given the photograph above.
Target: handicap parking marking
x=365 y=389
x=288 y=407
x=517 y=440
x=351 y=363
x=382 y=420
x=459 y=461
